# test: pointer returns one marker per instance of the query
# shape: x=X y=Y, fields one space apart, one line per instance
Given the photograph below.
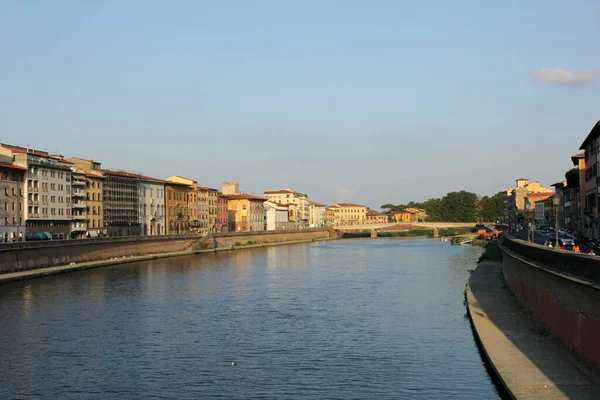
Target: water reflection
x=344 y=319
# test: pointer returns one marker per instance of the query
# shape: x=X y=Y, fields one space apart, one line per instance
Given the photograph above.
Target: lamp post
x=528 y=207
x=556 y=202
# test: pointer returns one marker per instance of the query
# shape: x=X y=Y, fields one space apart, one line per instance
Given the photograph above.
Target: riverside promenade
x=529 y=363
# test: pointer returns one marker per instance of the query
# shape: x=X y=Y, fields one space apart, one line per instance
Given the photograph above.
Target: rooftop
x=593 y=133
x=12 y=166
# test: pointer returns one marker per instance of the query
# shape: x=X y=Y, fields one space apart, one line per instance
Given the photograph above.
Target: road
x=541 y=238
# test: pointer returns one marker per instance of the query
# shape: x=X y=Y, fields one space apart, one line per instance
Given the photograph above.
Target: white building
x=317 y=214
x=78 y=203
x=47 y=196
x=152 y=206
x=297 y=202
x=276 y=216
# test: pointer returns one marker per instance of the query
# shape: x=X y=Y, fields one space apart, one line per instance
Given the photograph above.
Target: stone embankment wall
x=24 y=256
x=561 y=289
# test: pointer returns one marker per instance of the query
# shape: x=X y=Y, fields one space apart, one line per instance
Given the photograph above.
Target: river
x=347 y=319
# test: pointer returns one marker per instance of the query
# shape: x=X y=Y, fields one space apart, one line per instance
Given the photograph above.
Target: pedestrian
x=576 y=249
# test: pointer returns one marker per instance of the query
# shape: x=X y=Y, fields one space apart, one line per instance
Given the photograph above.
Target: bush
x=492 y=252
x=351 y=235
x=414 y=232
x=456 y=231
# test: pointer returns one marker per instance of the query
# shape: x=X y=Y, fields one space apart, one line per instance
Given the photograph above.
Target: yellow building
x=213 y=201
x=246 y=212
x=182 y=212
x=405 y=216
x=347 y=214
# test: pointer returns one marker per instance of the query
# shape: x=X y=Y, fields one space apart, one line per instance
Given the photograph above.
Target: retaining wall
x=24 y=256
x=561 y=291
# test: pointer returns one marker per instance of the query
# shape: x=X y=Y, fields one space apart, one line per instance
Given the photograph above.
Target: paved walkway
x=530 y=365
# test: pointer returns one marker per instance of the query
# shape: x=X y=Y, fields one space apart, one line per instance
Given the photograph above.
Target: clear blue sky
x=363 y=101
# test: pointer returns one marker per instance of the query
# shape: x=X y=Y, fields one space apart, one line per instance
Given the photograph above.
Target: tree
x=433 y=208
x=572 y=177
x=493 y=208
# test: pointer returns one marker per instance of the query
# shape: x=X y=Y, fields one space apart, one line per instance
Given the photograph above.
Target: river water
x=348 y=319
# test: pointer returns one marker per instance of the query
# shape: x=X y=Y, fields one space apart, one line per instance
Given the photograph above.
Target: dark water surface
x=353 y=319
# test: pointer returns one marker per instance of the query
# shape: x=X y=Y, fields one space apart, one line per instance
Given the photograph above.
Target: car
x=566 y=241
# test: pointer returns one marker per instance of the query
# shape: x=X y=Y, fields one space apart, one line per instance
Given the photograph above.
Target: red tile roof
x=239 y=196
x=12 y=166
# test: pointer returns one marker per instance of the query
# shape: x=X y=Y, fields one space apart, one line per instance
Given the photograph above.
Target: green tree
x=572 y=177
x=459 y=207
x=493 y=208
x=433 y=208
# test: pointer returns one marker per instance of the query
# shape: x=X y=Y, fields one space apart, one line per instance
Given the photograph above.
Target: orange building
x=405 y=216
x=245 y=212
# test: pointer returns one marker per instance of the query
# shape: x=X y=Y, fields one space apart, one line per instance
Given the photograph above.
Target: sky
x=369 y=102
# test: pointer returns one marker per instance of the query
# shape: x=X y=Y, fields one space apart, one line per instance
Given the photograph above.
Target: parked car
x=567 y=241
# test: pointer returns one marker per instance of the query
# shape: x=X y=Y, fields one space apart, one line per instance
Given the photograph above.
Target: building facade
x=374 y=217
x=297 y=203
x=93 y=194
x=405 y=216
x=590 y=146
x=515 y=200
x=190 y=214
x=79 y=204
x=177 y=208
x=245 y=212
x=347 y=214
x=579 y=162
x=203 y=209
x=222 y=214
x=317 y=214
x=212 y=209
x=121 y=203
x=12 y=201
x=152 y=206
x=47 y=191
x=230 y=188
x=276 y=216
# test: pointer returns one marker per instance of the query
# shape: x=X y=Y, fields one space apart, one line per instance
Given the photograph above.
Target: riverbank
x=72 y=267
x=528 y=362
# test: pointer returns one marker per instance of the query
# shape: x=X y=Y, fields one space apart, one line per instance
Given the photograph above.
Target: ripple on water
x=354 y=319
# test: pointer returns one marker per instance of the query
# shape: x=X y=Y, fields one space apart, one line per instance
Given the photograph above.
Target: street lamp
x=528 y=207
x=556 y=202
